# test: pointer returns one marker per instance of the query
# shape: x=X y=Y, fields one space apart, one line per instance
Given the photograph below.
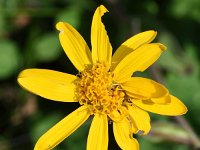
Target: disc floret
x=96 y=89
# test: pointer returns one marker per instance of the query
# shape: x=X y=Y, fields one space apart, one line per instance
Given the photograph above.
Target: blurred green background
x=28 y=39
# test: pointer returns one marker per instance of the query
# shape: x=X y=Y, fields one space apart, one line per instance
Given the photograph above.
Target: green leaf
x=152 y=7
x=185 y=9
x=42 y=124
x=145 y=144
x=2 y=23
x=9 y=59
x=184 y=87
x=168 y=59
x=71 y=15
x=47 y=47
x=190 y=60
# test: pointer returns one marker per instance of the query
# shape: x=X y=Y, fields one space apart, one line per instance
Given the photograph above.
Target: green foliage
x=174 y=65
x=47 y=47
x=9 y=59
x=43 y=123
x=71 y=15
x=185 y=8
x=2 y=23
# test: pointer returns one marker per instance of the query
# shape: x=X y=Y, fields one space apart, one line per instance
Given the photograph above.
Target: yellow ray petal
x=141 y=118
x=146 y=89
x=101 y=47
x=138 y=60
x=131 y=44
x=98 y=134
x=174 y=108
x=123 y=136
x=49 y=84
x=62 y=129
x=74 y=45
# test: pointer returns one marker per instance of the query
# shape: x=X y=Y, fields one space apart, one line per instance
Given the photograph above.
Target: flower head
x=104 y=87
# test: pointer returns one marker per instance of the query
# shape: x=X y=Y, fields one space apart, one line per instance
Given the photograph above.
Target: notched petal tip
x=19 y=79
x=103 y=9
x=162 y=47
x=101 y=46
x=59 y=26
x=155 y=32
x=21 y=75
x=151 y=34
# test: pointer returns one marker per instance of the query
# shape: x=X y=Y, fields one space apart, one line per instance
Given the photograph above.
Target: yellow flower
x=104 y=87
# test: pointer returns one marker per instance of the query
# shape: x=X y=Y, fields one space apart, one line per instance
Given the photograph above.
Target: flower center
x=96 y=90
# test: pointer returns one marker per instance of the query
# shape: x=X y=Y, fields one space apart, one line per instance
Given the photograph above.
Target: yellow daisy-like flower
x=104 y=87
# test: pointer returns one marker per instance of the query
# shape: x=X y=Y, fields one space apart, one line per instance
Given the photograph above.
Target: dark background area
x=28 y=39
